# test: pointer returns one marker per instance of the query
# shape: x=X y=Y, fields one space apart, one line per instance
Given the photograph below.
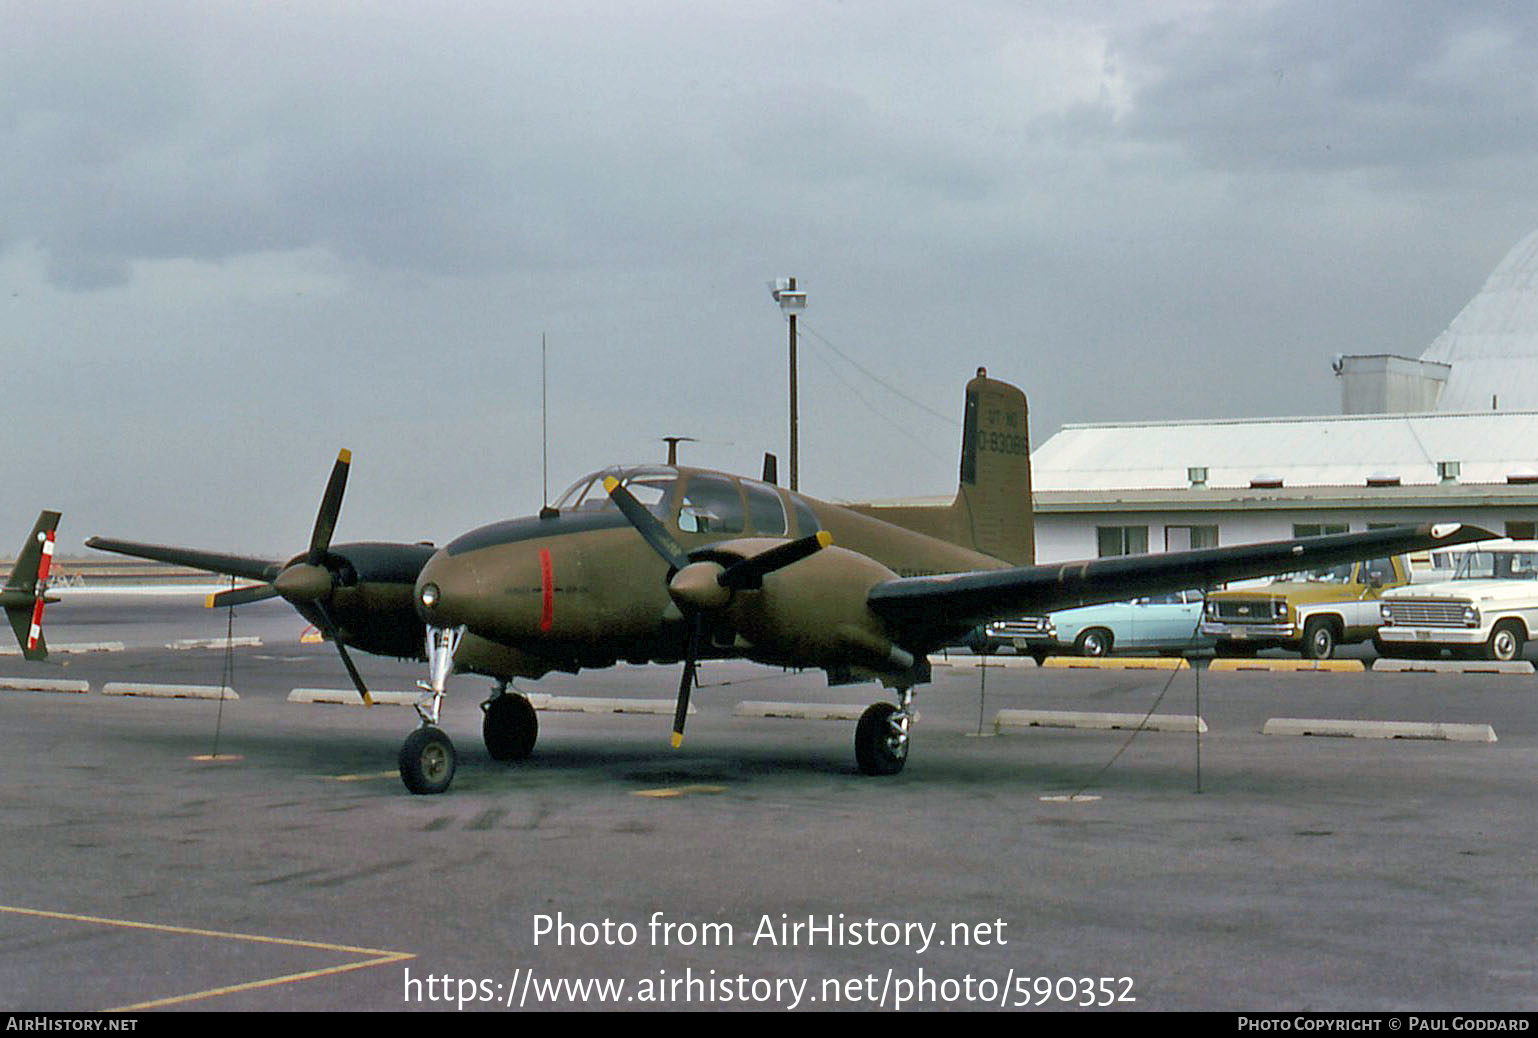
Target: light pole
x=791 y=303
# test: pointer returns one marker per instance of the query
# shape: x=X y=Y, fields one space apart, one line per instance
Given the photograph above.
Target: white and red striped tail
x=44 y=564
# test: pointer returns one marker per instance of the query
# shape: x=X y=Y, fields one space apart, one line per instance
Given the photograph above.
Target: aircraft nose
x=444 y=588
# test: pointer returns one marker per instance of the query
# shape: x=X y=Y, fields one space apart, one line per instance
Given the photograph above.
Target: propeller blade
x=686 y=686
x=330 y=631
x=240 y=596
x=647 y=525
x=749 y=573
x=330 y=507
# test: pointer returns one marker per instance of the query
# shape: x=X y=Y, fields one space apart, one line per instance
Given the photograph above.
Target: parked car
x=1156 y=623
x=1489 y=608
x=1309 y=612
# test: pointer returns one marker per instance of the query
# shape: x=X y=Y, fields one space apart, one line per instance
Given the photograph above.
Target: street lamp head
x=787 y=295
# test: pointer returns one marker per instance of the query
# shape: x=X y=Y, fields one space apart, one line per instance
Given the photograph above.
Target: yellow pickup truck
x=1309 y=612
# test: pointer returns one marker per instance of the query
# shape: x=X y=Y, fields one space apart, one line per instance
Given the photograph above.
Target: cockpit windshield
x=650 y=486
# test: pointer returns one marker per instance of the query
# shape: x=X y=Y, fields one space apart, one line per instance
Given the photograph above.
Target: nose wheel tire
x=880 y=745
x=510 y=727
x=427 y=761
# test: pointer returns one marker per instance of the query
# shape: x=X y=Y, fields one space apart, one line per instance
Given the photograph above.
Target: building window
x=1318 y=529
x=1121 y=540
x=1522 y=531
x=1184 y=538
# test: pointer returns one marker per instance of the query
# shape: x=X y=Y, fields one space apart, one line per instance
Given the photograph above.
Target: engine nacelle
x=814 y=613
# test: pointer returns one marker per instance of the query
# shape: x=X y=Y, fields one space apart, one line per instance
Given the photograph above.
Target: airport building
x=1449 y=436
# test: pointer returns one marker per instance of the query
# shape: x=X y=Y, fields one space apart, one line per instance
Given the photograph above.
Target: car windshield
x=1498 y=565
x=1324 y=575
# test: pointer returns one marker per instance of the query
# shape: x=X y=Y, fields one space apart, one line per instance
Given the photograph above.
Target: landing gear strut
x=427 y=757
x=881 y=737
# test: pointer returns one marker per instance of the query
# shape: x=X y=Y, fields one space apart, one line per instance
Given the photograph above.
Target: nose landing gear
x=428 y=757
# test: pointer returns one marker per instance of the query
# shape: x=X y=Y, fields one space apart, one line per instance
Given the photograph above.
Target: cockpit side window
x=806 y=519
x=765 y=509
x=711 y=505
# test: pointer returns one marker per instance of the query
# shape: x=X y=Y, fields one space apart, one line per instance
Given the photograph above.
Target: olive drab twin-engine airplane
x=668 y=564
x=26 y=590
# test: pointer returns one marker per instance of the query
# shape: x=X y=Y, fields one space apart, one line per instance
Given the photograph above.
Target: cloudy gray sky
x=236 y=237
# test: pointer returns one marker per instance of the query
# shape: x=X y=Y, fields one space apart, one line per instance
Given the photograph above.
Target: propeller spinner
x=702 y=586
x=309 y=580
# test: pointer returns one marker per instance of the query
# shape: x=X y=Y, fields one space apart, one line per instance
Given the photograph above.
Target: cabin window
x=765 y=509
x=712 y=504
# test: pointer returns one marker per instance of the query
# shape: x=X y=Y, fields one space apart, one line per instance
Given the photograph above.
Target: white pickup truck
x=1488 y=609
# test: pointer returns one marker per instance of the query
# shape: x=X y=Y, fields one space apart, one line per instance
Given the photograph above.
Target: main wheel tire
x=1094 y=642
x=1318 y=639
x=1505 y=642
x=879 y=748
x=427 y=761
x=510 y=727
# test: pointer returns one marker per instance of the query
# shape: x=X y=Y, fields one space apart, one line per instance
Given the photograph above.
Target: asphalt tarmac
x=259 y=854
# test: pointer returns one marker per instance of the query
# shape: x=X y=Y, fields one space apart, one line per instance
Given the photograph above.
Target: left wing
x=925 y=612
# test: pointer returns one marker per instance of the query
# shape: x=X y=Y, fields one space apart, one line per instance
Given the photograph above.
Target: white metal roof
x=1325 y=451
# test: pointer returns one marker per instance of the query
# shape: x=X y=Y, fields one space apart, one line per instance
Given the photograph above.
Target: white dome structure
x=1491 y=347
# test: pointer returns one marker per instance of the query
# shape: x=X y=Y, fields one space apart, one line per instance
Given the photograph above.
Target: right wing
x=926 y=612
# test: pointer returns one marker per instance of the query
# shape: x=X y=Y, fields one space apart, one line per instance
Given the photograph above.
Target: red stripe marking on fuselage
x=547 y=589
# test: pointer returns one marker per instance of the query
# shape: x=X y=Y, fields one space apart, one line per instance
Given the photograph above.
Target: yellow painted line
x=377 y=956
x=678 y=791
x=1115 y=663
x=366 y=777
x=1333 y=666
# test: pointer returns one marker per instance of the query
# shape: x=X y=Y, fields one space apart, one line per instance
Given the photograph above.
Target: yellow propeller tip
x=678 y=739
x=344 y=455
x=824 y=538
x=609 y=483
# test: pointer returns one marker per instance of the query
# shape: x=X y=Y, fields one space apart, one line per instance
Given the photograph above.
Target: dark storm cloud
x=1319 y=86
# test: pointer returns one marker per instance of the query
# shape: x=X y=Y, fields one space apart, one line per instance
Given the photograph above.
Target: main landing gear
x=881 y=737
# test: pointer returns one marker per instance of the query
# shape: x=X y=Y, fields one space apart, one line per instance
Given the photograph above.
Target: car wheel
x=1505 y=642
x=1318 y=639
x=1094 y=642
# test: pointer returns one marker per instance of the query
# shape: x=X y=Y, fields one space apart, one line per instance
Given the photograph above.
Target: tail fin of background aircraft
x=24 y=589
x=992 y=512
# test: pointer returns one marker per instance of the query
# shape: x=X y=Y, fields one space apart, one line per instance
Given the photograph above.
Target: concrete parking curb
x=1115 y=663
x=1324 y=666
x=1081 y=719
x=1398 y=666
x=598 y=705
x=76 y=647
x=973 y=662
x=350 y=697
x=131 y=688
x=802 y=711
x=214 y=643
x=44 y=685
x=1379 y=729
